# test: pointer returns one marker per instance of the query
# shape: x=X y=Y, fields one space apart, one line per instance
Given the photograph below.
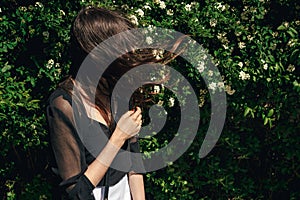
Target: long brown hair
x=92 y=26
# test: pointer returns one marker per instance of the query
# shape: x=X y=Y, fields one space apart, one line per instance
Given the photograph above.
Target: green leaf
x=271 y=58
x=266 y=120
x=295 y=55
x=6 y=68
x=281 y=28
x=270 y=113
x=247 y=110
x=291 y=33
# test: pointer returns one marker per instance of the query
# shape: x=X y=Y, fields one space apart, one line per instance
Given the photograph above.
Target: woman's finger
x=139 y=118
x=128 y=113
x=136 y=113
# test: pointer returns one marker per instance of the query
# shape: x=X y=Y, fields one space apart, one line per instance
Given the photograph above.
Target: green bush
x=255 y=45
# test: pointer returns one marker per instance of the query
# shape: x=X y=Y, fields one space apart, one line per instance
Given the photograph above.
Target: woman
x=86 y=175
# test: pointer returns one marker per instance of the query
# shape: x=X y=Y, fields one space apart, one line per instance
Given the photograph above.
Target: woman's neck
x=90 y=109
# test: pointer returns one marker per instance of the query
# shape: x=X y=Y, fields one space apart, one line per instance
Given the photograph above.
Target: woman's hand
x=129 y=124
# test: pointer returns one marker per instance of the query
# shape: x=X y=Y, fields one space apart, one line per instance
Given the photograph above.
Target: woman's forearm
x=128 y=126
x=97 y=169
x=136 y=183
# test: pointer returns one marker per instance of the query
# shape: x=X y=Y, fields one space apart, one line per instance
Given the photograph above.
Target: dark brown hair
x=91 y=27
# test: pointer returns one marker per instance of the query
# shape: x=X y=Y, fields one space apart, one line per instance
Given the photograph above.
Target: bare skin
x=127 y=127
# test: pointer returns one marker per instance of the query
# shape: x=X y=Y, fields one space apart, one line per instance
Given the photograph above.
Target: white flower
x=192 y=42
x=153 y=78
x=225 y=46
x=238 y=33
x=38 y=4
x=151 y=28
x=171 y=102
x=147 y=7
x=219 y=6
x=149 y=40
x=160 y=102
x=249 y=37
x=243 y=75
x=140 y=12
x=50 y=62
x=23 y=8
x=162 y=5
x=201 y=101
x=292 y=42
x=170 y=12
x=213 y=22
x=223 y=39
x=158 y=53
x=212 y=86
x=156 y=89
x=220 y=36
x=133 y=19
x=265 y=66
x=161 y=52
x=46 y=34
x=188 y=7
x=62 y=12
x=210 y=73
x=291 y=68
x=229 y=90
x=242 y=45
x=33 y=126
x=125 y=7
x=156 y=1
x=240 y=64
x=275 y=34
x=221 y=85
x=57 y=72
x=202 y=92
x=0 y=10
x=200 y=67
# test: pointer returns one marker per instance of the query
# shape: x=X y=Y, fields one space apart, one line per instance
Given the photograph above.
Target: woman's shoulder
x=59 y=92
x=62 y=91
x=60 y=98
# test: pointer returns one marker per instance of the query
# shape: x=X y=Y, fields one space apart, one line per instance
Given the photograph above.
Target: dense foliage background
x=255 y=44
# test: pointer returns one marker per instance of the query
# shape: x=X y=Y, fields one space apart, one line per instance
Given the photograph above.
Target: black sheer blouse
x=71 y=155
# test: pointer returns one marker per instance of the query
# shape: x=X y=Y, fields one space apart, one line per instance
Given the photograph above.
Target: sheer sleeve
x=136 y=158
x=67 y=148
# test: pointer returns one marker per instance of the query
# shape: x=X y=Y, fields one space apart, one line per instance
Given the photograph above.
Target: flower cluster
x=244 y=76
x=133 y=19
x=50 y=64
x=162 y=4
